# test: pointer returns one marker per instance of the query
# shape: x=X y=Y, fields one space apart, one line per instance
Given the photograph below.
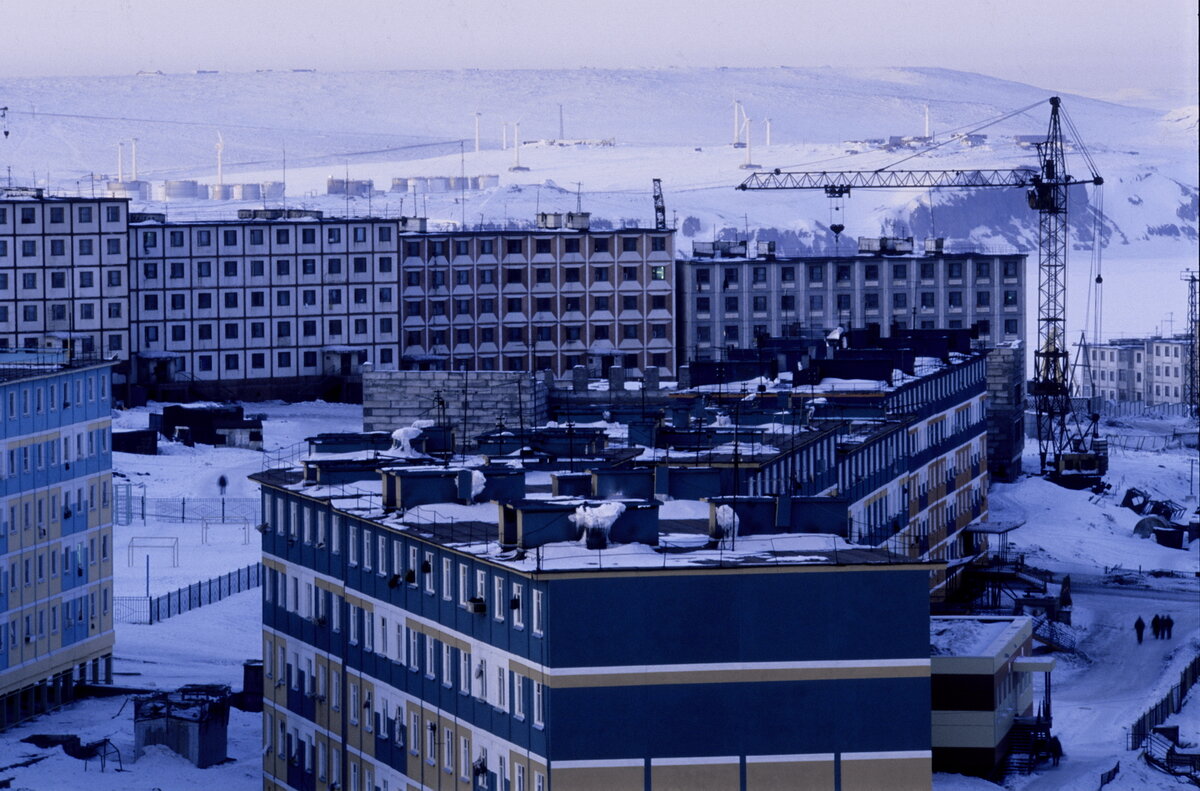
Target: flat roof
x=474 y=530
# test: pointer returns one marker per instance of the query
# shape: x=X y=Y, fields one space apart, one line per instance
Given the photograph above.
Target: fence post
x=182 y=509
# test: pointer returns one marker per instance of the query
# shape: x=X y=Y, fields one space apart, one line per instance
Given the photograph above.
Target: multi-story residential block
x=727 y=300
x=1151 y=370
x=499 y=650
x=56 y=548
x=1114 y=371
x=908 y=417
x=277 y=300
x=292 y=296
x=1166 y=369
x=64 y=272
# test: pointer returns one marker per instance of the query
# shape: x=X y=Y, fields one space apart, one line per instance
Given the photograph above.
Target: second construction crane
x=1069 y=446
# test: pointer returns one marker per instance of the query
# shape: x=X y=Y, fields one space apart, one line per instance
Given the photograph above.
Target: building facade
x=983 y=692
x=1148 y=370
x=64 y=273
x=56 y=543
x=400 y=657
x=276 y=298
x=727 y=300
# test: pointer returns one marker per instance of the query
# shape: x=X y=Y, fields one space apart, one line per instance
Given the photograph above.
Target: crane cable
x=984 y=125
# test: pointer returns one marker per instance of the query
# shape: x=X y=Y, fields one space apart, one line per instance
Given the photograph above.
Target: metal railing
x=1170 y=704
x=152 y=609
x=130 y=507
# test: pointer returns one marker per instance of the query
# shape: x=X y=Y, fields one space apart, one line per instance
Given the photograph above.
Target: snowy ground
x=179 y=471
x=203 y=646
x=1100 y=692
x=207 y=645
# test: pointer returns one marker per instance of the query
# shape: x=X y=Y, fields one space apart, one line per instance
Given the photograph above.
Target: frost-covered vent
x=623 y=484
x=335 y=472
x=533 y=523
x=568 y=441
x=351 y=442
x=743 y=516
x=405 y=488
x=193 y=721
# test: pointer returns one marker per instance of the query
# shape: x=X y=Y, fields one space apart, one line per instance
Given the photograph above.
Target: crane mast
x=1069 y=447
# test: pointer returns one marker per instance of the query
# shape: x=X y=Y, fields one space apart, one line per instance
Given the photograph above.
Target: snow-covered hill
x=675 y=124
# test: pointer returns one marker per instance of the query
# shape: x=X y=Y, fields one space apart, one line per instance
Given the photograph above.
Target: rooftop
x=684 y=539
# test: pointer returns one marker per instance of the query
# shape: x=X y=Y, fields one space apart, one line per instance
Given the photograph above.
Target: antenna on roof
x=579 y=197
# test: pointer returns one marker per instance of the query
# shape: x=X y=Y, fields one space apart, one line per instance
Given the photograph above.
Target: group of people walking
x=1161 y=626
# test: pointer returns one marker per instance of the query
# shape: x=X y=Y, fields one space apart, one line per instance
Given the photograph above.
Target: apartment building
x=1150 y=370
x=273 y=296
x=277 y=300
x=730 y=295
x=504 y=651
x=727 y=298
x=56 y=550
x=64 y=273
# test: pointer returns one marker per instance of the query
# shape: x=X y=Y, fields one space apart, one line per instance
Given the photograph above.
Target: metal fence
x=1168 y=705
x=142 y=609
x=1142 y=409
x=1110 y=775
x=129 y=508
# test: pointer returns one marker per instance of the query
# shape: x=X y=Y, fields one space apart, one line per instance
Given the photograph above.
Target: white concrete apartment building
x=726 y=298
x=291 y=302
x=280 y=298
x=64 y=272
x=1150 y=370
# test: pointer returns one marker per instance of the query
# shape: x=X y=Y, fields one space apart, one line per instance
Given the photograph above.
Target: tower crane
x=660 y=208
x=1069 y=446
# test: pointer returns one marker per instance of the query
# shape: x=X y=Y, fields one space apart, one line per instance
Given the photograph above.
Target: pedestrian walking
x=222 y=483
x=1139 y=626
x=1156 y=626
x=1169 y=626
x=1056 y=750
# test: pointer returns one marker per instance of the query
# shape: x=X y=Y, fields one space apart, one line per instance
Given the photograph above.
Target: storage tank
x=134 y=190
x=418 y=184
x=179 y=190
x=488 y=181
x=437 y=184
x=273 y=190
x=335 y=186
x=220 y=191
x=247 y=192
x=399 y=184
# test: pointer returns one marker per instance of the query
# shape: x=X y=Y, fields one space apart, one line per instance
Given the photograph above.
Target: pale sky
x=1114 y=49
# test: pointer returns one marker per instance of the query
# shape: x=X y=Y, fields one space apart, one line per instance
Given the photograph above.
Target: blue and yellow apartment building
x=56 y=541
x=505 y=647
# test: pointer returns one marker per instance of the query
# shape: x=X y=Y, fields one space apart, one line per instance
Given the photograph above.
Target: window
x=538 y=717
x=600 y=245
x=516 y=605
x=538 y=616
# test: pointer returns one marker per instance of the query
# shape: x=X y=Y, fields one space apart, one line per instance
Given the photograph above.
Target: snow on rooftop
x=965 y=636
